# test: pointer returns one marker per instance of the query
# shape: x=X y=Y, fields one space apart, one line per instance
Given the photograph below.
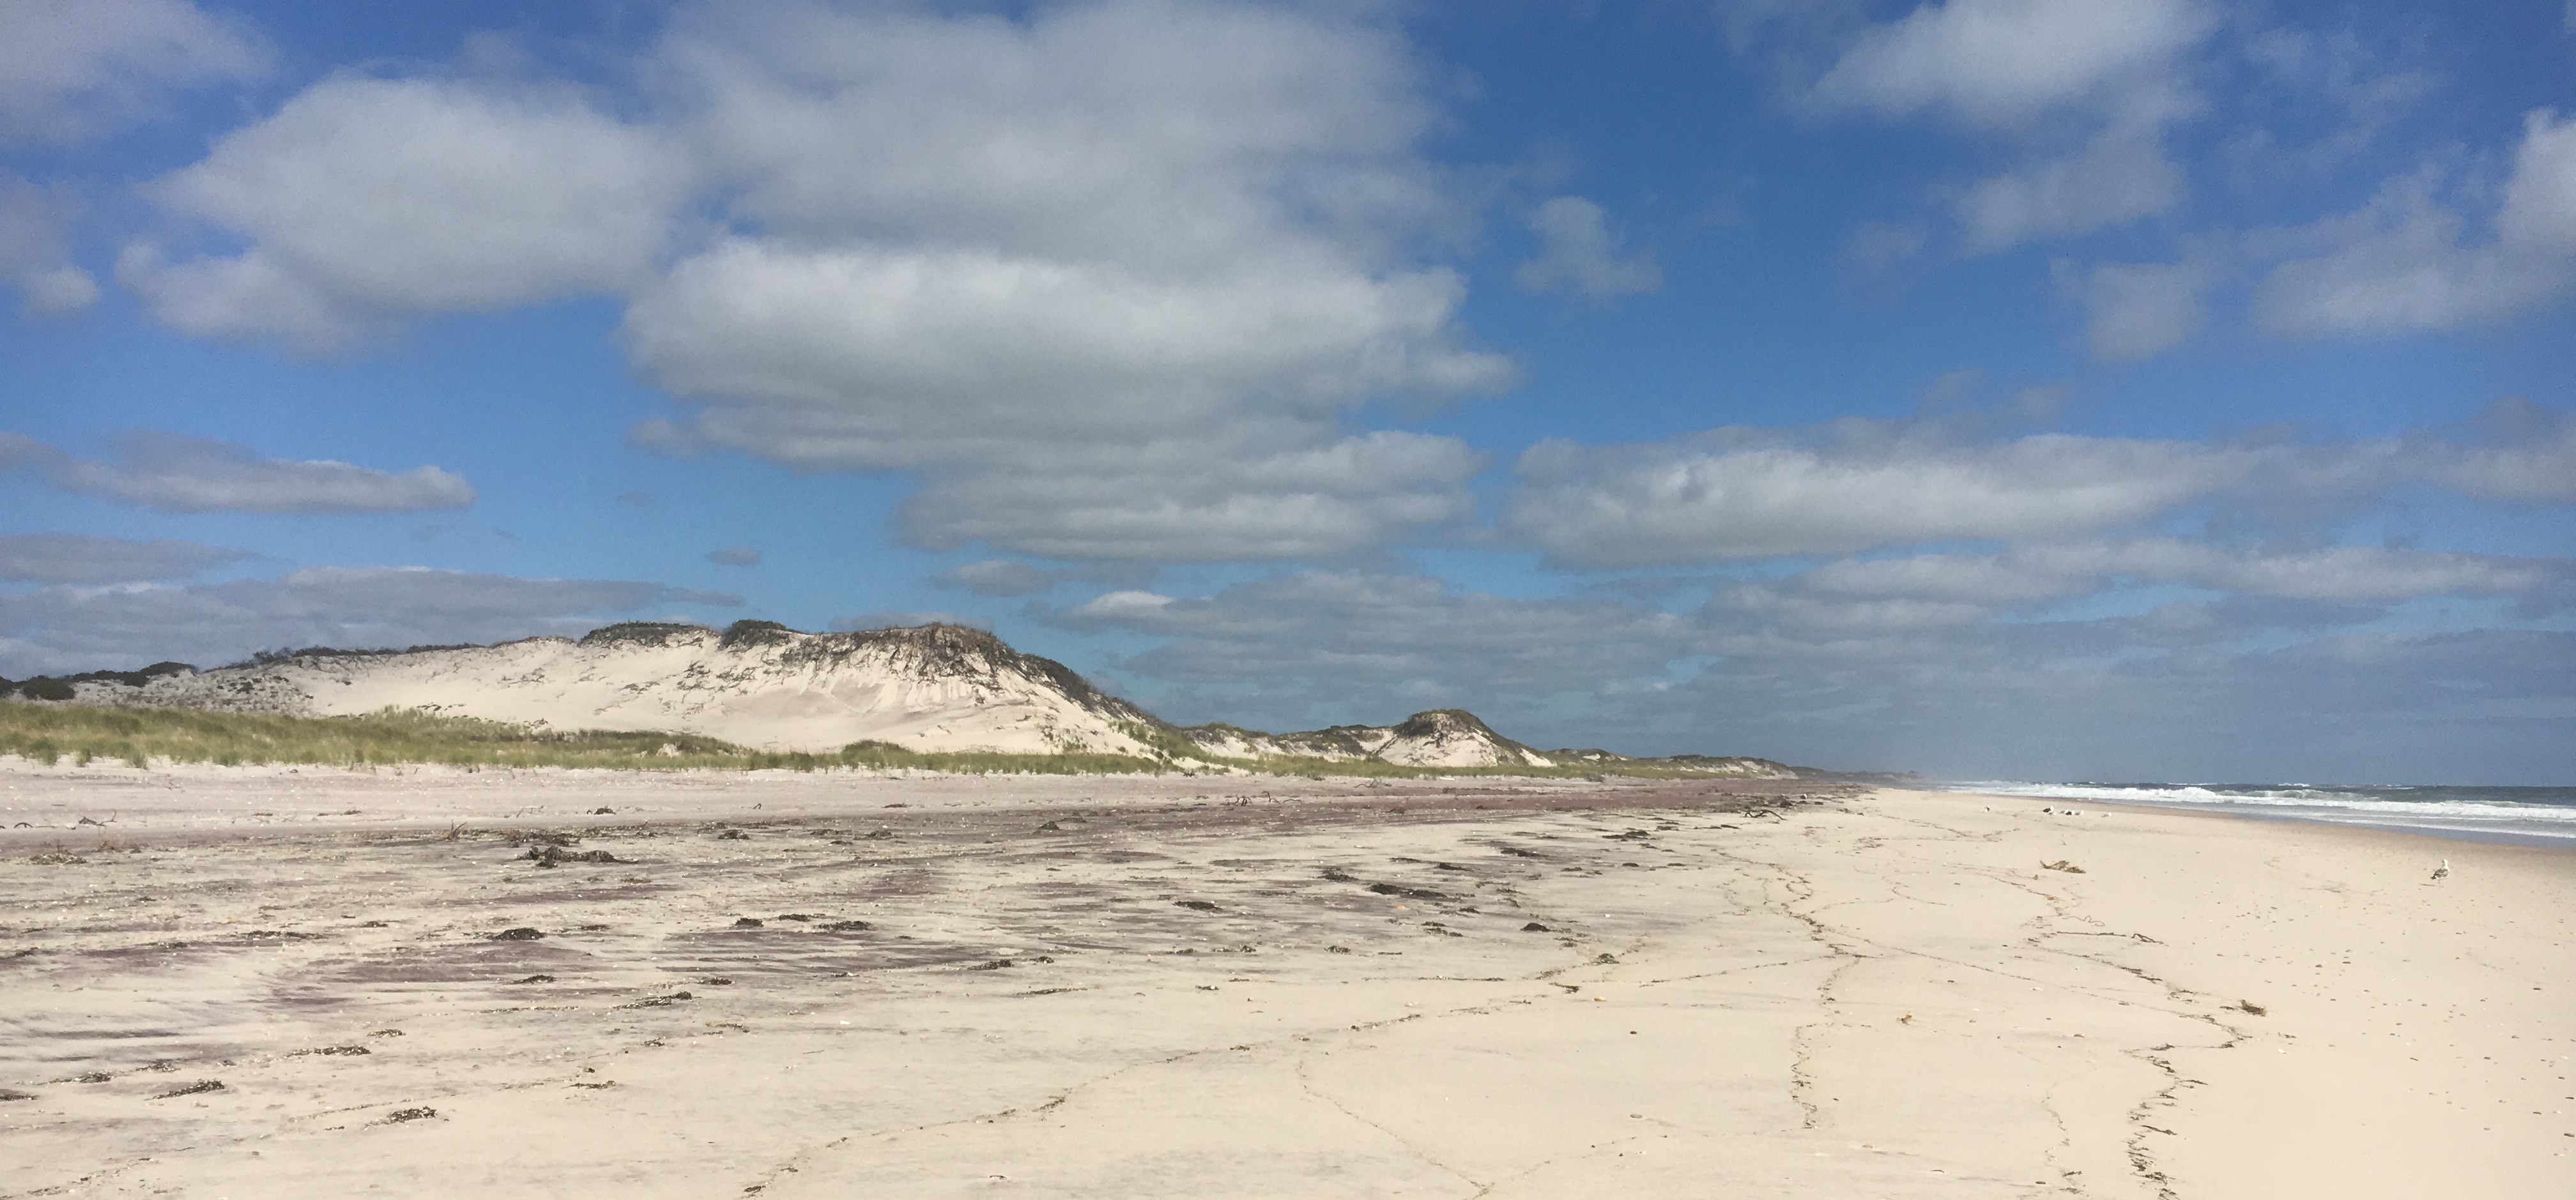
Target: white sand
x=930 y=688
x=1880 y=996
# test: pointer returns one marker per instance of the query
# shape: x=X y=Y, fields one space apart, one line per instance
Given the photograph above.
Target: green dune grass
x=85 y=733
x=138 y=736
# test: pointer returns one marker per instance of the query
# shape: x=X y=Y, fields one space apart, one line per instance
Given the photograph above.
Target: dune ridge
x=758 y=684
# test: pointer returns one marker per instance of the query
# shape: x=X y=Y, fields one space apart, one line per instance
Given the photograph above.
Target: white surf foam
x=2518 y=813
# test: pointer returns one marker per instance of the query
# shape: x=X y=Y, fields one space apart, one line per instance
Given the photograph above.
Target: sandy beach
x=264 y=983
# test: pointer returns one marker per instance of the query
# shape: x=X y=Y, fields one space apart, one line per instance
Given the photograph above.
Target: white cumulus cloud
x=2003 y=62
x=2410 y=262
x=2085 y=89
x=368 y=201
x=1107 y=276
x=71 y=70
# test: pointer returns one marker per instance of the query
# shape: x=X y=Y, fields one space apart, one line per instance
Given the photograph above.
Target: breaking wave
x=2519 y=814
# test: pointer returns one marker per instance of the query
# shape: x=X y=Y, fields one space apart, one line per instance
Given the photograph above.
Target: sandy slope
x=934 y=687
x=1262 y=987
x=1440 y=738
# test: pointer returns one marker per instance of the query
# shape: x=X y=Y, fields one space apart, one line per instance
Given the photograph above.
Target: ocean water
x=2525 y=815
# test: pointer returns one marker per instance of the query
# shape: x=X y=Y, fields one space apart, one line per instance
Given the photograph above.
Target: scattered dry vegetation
x=85 y=733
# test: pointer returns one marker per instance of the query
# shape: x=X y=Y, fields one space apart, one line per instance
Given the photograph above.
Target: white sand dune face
x=933 y=688
x=1441 y=738
x=1449 y=737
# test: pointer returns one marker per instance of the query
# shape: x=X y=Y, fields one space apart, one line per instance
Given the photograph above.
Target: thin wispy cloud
x=2412 y=262
x=83 y=559
x=181 y=474
x=1578 y=253
x=1860 y=485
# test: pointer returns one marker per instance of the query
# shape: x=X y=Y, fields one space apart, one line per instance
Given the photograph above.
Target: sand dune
x=937 y=687
x=1440 y=738
x=931 y=688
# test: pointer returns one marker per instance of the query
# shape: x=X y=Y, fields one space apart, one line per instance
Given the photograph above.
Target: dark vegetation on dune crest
x=81 y=734
x=59 y=687
x=51 y=687
x=935 y=648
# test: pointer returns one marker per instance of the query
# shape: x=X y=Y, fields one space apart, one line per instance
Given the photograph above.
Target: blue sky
x=1998 y=388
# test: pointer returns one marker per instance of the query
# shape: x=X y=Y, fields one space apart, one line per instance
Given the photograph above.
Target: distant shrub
x=131 y=678
x=639 y=633
x=755 y=633
x=45 y=688
x=288 y=654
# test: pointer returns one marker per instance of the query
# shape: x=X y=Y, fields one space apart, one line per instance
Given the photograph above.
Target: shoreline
x=2552 y=845
x=166 y=774
x=2565 y=842
x=2524 y=841
x=1119 y=988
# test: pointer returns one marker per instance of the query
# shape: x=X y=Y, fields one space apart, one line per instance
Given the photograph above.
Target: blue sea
x=2544 y=816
